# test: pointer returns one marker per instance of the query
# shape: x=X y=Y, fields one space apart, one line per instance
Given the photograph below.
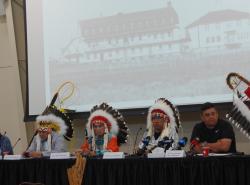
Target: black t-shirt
x=222 y=130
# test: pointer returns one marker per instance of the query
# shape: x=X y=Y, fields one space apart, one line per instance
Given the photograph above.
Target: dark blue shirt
x=5 y=145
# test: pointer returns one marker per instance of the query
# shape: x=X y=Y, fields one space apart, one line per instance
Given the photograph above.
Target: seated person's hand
x=26 y=154
x=92 y=153
x=35 y=154
x=88 y=152
x=5 y=153
x=140 y=152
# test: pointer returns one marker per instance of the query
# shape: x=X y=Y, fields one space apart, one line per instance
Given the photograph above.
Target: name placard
x=113 y=155
x=156 y=155
x=60 y=155
x=175 y=154
x=12 y=157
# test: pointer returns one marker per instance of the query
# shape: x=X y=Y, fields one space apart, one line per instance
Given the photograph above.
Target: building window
x=217 y=26
x=218 y=38
x=206 y=27
x=212 y=39
x=228 y=25
x=238 y=23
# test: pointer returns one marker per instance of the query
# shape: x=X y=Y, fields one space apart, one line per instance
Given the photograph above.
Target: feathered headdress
x=115 y=123
x=240 y=113
x=170 y=129
x=56 y=119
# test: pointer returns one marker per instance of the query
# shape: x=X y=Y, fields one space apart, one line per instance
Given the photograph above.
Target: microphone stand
x=16 y=143
x=31 y=140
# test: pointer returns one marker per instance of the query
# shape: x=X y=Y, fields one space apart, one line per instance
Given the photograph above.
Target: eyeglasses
x=43 y=130
x=160 y=116
x=157 y=116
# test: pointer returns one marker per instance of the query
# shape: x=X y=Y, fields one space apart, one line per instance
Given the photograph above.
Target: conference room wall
x=134 y=122
x=11 y=110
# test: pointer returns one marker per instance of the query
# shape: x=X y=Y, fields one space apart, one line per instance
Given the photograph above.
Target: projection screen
x=129 y=53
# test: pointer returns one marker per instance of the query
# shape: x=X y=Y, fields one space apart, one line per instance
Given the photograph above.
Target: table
x=226 y=170
x=49 y=172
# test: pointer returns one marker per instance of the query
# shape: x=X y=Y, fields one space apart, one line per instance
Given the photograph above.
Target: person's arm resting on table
x=222 y=145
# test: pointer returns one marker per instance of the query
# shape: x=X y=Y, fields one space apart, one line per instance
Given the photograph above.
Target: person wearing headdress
x=5 y=145
x=53 y=127
x=105 y=130
x=163 y=122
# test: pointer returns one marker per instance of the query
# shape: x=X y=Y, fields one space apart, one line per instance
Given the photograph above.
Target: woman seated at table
x=105 y=131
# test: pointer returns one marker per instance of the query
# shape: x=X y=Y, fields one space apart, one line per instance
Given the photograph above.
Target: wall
x=11 y=110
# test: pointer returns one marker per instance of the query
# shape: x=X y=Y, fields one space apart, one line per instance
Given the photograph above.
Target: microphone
x=143 y=146
x=183 y=141
x=137 y=133
x=167 y=144
x=19 y=139
x=247 y=92
x=145 y=142
x=194 y=143
x=31 y=140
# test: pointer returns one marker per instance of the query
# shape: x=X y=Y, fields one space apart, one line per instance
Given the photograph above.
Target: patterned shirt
x=57 y=145
x=5 y=145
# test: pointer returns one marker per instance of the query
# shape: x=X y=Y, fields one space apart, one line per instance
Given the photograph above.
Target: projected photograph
x=130 y=54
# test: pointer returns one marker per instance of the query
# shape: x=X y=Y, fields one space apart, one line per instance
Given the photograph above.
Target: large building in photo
x=156 y=35
x=140 y=36
x=225 y=29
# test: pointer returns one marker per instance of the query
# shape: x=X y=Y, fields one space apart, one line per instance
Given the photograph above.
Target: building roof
x=220 y=16
x=130 y=23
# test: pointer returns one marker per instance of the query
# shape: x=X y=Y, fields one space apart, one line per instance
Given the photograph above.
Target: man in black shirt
x=212 y=132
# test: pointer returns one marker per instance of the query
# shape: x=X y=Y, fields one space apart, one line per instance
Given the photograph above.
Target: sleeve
x=195 y=133
x=112 y=145
x=7 y=146
x=175 y=137
x=142 y=143
x=85 y=145
x=227 y=132
x=58 y=144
